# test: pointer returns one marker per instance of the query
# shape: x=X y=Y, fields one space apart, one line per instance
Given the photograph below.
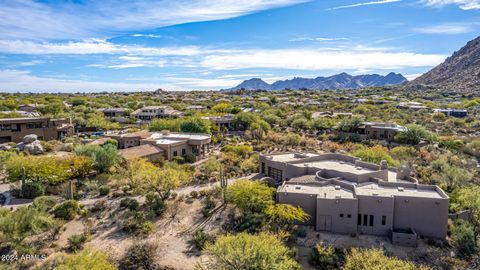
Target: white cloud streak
x=449 y=29
x=29 y=19
x=462 y=4
x=305 y=59
x=24 y=81
x=365 y=4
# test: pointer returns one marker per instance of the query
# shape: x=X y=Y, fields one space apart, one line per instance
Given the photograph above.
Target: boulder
x=34 y=148
x=5 y=147
x=20 y=146
x=30 y=138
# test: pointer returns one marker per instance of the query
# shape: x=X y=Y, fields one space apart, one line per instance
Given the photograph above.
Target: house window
x=384 y=220
x=341 y=215
x=34 y=125
x=175 y=153
x=359 y=219
x=184 y=151
x=371 y=220
x=263 y=167
x=349 y=216
x=275 y=173
x=365 y=220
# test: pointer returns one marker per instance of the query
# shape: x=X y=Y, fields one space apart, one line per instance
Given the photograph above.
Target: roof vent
x=401 y=189
x=298 y=187
x=338 y=196
x=337 y=187
x=375 y=193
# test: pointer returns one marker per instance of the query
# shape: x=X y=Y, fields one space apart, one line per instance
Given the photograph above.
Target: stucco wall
x=378 y=207
x=427 y=216
x=333 y=208
x=307 y=202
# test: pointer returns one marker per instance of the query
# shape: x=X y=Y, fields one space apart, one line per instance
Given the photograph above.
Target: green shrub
x=463 y=239
x=208 y=206
x=200 y=238
x=137 y=223
x=66 y=210
x=31 y=190
x=104 y=190
x=130 y=203
x=323 y=256
x=189 y=158
x=77 y=241
x=178 y=159
x=194 y=194
x=44 y=203
x=156 y=204
x=140 y=256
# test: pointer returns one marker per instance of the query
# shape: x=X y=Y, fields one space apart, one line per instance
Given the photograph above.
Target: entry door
x=324 y=223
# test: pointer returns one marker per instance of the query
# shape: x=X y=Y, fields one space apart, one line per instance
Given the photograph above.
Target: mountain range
x=339 y=81
x=458 y=73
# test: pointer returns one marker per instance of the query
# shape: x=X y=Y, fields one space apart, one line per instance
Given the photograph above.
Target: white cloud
x=24 y=81
x=412 y=77
x=147 y=35
x=462 y=4
x=450 y=29
x=24 y=19
x=381 y=2
x=309 y=59
x=90 y=46
x=319 y=39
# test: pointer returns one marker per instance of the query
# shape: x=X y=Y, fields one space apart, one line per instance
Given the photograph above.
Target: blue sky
x=87 y=45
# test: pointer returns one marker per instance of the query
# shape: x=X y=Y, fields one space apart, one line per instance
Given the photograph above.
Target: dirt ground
x=418 y=254
x=173 y=232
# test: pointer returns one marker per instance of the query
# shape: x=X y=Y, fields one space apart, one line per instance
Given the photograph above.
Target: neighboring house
x=343 y=194
x=14 y=129
x=195 y=107
x=147 y=151
x=452 y=112
x=411 y=105
x=28 y=107
x=116 y=114
x=22 y=113
x=331 y=115
x=376 y=131
x=225 y=122
x=148 y=113
x=172 y=143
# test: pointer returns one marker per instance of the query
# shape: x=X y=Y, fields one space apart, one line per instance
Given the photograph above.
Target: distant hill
x=459 y=73
x=339 y=81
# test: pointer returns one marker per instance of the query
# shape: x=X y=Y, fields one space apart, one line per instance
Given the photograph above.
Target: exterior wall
x=427 y=216
x=340 y=214
x=308 y=203
x=404 y=239
x=44 y=128
x=377 y=207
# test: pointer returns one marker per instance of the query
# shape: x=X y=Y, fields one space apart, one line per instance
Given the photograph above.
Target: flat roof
x=188 y=136
x=287 y=157
x=327 y=191
x=140 y=151
x=373 y=189
x=337 y=165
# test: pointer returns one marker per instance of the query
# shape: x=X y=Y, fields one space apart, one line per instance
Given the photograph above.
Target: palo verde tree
x=246 y=251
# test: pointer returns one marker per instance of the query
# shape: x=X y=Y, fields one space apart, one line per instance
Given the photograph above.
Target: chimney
x=383 y=165
x=165 y=132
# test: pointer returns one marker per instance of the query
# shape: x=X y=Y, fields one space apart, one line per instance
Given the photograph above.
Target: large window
x=275 y=173
x=371 y=220
x=263 y=167
x=365 y=220
x=384 y=220
x=34 y=125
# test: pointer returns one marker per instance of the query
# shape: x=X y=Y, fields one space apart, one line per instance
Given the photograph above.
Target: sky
x=91 y=46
